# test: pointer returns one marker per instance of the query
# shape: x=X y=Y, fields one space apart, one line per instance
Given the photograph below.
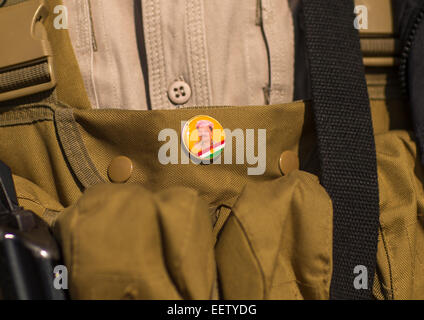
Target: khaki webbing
x=69 y=88
x=24 y=77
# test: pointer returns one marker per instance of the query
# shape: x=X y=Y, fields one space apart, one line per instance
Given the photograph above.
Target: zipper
x=407 y=49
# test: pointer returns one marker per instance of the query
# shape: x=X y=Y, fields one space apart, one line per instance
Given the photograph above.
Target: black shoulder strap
x=8 y=199
x=345 y=140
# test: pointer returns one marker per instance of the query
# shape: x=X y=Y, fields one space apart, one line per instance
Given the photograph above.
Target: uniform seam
x=329 y=241
x=243 y=229
x=246 y=45
x=74 y=243
x=197 y=53
x=26 y=115
x=110 y=59
x=386 y=249
x=83 y=49
x=37 y=203
x=154 y=50
x=280 y=81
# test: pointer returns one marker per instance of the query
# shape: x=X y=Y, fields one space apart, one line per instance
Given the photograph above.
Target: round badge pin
x=203 y=137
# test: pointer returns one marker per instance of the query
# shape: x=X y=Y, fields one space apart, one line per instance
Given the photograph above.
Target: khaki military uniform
x=203 y=231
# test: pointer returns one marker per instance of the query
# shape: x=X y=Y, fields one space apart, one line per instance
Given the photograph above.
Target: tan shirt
x=163 y=54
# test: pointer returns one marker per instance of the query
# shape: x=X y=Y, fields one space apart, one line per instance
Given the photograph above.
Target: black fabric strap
x=345 y=140
x=8 y=198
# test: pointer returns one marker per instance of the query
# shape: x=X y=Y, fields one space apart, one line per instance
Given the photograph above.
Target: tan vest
x=201 y=231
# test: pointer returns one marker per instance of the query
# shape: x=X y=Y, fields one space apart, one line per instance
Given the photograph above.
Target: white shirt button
x=179 y=92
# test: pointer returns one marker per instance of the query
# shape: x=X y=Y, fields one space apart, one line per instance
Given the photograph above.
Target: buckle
x=26 y=65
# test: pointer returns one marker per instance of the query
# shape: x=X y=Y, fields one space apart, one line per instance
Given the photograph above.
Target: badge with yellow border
x=203 y=137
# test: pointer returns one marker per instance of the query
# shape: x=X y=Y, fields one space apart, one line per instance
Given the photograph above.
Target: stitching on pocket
x=253 y=253
x=386 y=249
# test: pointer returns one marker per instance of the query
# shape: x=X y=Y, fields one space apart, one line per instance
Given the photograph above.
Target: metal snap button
x=120 y=169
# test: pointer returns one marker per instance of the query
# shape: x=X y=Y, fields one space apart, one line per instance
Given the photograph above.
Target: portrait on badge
x=203 y=137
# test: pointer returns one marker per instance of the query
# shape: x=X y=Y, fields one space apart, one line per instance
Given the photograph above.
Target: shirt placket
x=178 y=71
x=197 y=53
